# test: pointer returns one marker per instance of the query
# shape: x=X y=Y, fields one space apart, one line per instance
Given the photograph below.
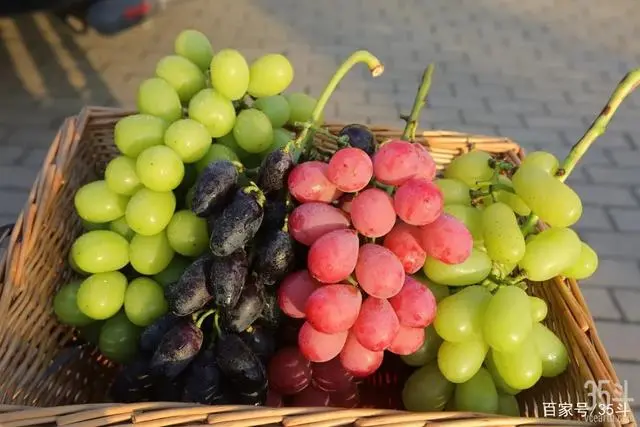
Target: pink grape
x=331 y=376
x=333 y=308
x=427 y=168
x=311 y=397
x=317 y=346
x=312 y=220
x=447 y=240
x=378 y=271
x=350 y=169
x=308 y=182
x=294 y=292
x=372 y=213
x=332 y=258
x=349 y=398
x=403 y=241
x=357 y=360
x=377 y=324
x=408 y=341
x=395 y=162
x=288 y=371
x=414 y=305
x=418 y=201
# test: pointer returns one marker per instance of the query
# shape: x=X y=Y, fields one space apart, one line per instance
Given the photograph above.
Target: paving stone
x=35 y=157
x=12 y=202
x=626 y=219
x=609 y=175
x=620 y=340
x=629 y=302
x=625 y=157
x=10 y=154
x=615 y=273
x=17 y=177
x=605 y=195
x=601 y=304
x=594 y=218
x=496 y=119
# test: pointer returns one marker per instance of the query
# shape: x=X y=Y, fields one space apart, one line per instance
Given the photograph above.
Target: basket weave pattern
x=42 y=365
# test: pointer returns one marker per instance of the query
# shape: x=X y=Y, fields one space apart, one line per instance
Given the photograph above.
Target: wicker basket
x=42 y=366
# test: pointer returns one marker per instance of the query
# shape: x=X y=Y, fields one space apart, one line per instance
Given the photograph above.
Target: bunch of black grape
x=214 y=344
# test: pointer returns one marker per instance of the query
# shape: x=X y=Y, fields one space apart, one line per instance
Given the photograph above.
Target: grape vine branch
x=597 y=129
x=375 y=67
x=419 y=102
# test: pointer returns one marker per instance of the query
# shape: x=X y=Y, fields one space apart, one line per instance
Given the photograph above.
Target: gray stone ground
x=534 y=70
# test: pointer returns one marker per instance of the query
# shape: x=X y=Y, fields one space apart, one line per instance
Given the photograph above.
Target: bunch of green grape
x=488 y=341
x=140 y=233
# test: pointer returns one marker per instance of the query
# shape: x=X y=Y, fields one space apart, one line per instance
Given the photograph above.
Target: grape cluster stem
x=419 y=102
x=598 y=127
x=297 y=146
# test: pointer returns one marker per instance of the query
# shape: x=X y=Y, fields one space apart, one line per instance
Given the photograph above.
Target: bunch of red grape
x=370 y=216
x=294 y=381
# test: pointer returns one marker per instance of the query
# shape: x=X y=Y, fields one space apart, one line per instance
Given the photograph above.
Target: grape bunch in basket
x=237 y=251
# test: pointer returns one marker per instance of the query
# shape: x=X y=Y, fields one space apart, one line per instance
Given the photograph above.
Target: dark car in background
x=104 y=16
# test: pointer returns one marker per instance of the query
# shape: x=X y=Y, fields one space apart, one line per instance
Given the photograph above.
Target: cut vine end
x=377 y=70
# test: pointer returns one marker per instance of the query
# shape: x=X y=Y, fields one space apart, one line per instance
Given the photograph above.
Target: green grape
x=471 y=217
x=455 y=192
x=214 y=111
x=65 y=306
x=144 y=301
x=229 y=74
x=459 y=317
x=96 y=203
x=173 y=271
x=276 y=108
x=101 y=295
x=505 y=181
x=120 y=176
x=119 y=339
x=91 y=226
x=514 y=201
x=100 y=251
x=189 y=139
x=427 y=390
x=194 y=46
x=521 y=369
x=134 y=134
x=501 y=234
x=459 y=361
x=270 y=75
x=501 y=385
x=183 y=75
x=91 y=332
x=253 y=131
x=543 y=160
x=149 y=212
x=188 y=234
x=160 y=168
x=473 y=270
x=229 y=141
x=157 y=98
x=439 y=291
x=550 y=253
x=428 y=351
x=508 y=405
x=549 y=198
x=188 y=198
x=478 y=394
x=507 y=319
x=302 y=106
x=121 y=227
x=74 y=266
x=551 y=350
x=470 y=168
x=150 y=254
x=584 y=266
x=216 y=152
x=539 y=309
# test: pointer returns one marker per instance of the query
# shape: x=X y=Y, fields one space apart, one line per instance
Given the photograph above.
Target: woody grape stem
x=297 y=146
x=419 y=102
x=597 y=128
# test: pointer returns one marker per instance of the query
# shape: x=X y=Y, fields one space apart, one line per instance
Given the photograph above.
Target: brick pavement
x=536 y=71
